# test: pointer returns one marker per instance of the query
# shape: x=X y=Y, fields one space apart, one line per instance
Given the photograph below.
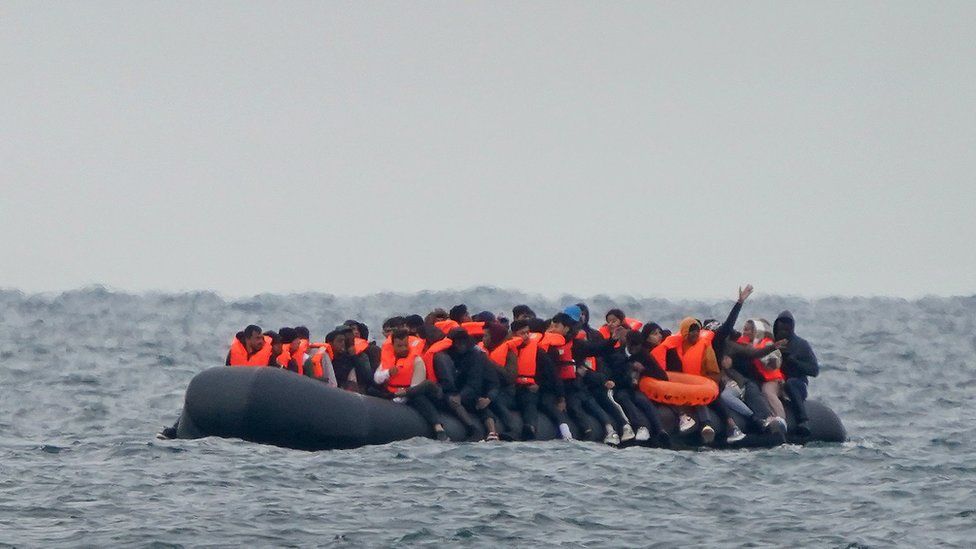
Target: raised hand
x=744 y=293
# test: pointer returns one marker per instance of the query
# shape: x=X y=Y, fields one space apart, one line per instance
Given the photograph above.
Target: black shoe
x=168 y=433
x=801 y=430
x=528 y=432
x=442 y=436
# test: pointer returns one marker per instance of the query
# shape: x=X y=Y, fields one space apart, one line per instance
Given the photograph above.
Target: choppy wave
x=89 y=376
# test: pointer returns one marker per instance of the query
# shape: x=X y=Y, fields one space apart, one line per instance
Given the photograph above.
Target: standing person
x=249 y=347
x=799 y=363
x=404 y=381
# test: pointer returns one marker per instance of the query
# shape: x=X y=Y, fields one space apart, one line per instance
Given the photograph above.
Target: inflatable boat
x=275 y=406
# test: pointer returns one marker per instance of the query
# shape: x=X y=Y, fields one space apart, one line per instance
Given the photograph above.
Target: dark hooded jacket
x=474 y=378
x=798 y=358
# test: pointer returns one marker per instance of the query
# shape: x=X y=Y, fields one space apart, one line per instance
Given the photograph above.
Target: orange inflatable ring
x=680 y=389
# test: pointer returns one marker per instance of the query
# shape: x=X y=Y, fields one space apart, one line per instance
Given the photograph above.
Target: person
x=250 y=347
x=527 y=358
x=319 y=364
x=360 y=334
x=285 y=357
x=571 y=364
x=799 y=364
x=522 y=312
x=767 y=367
x=630 y=362
x=501 y=352
x=615 y=318
x=441 y=369
x=351 y=364
x=552 y=389
x=689 y=353
x=459 y=314
x=404 y=380
x=473 y=383
x=393 y=323
x=277 y=347
x=741 y=391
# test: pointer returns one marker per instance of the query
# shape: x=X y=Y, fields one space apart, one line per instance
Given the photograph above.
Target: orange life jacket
x=628 y=322
x=446 y=325
x=239 y=356
x=474 y=328
x=565 y=362
x=499 y=355
x=527 y=355
x=766 y=375
x=434 y=348
x=386 y=352
x=298 y=355
x=691 y=358
x=285 y=355
x=404 y=373
x=318 y=371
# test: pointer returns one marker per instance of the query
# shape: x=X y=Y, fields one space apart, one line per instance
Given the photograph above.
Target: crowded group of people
x=481 y=368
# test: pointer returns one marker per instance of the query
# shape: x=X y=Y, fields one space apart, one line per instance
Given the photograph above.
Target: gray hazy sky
x=660 y=149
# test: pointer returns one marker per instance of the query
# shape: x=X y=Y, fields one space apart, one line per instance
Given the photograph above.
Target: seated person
x=404 y=380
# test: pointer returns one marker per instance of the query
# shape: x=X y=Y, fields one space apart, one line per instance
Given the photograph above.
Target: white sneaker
x=707 y=434
x=627 y=433
x=612 y=439
x=735 y=434
x=643 y=434
x=685 y=423
x=564 y=432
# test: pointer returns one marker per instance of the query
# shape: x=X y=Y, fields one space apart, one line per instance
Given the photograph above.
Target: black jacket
x=798 y=358
x=473 y=379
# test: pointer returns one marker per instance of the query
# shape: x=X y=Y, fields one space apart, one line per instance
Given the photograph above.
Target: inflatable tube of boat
x=680 y=389
x=279 y=407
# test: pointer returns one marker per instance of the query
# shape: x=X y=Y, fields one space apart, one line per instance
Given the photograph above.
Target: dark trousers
x=501 y=406
x=578 y=399
x=528 y=404
x=639 y=409
x=608 y=405
x=421 y=398
x=547 y=403
x=756 y=401
x=796 y=389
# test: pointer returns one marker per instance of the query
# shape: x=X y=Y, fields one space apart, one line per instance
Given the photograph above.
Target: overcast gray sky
x=657 y=149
